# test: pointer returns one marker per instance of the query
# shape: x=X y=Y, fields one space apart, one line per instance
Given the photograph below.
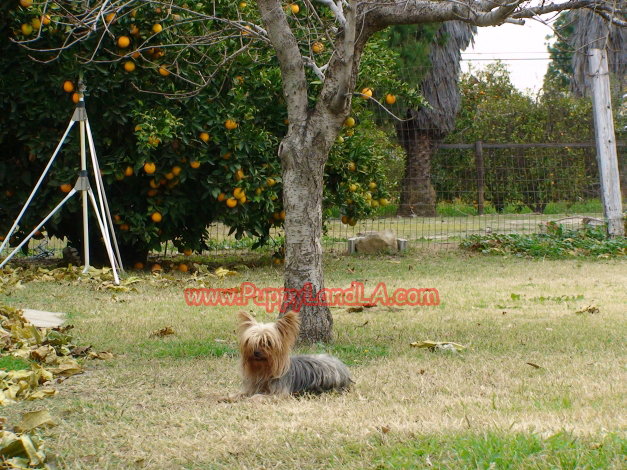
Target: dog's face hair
x=265 y=347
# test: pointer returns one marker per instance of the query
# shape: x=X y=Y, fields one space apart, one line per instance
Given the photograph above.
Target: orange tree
x=171 y=166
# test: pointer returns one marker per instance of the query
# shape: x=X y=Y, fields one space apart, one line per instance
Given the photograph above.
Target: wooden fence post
x=480 y=175
x=606 y=142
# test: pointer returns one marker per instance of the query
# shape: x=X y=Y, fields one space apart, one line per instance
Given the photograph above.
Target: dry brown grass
x=156 y=405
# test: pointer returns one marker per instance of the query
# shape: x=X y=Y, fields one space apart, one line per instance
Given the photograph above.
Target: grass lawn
x=156 y=404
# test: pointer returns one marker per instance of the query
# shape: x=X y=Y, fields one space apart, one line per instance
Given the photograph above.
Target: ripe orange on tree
x=27 y=29
x=46 y=20
x=345 y=219
x=270 y=182
x=390 y=99
x=124 y=42
x=26 y=3
x=230 y=124
x=169 y=176
x=124 y=227
x=238 y=193
x=66 y=188
x=35 y=23
x=176 y=170
x=352 y=166
x=194 y=164
x=295 y=8
x=221 y=197
x=231 y=202
x=157 y=28
x=318 y=47
x=134 y=30
x=239 y=174
x=204 y=136
x=110 y=17
x=164 y=72
x=156 y=217
x=128 y=171
x=75 y=97
x=350 y=121
x=187 y=251
x=152 y=192
x=68 y=86
x=129 y=66
x=367 y=93
x=154 y=184
x=150 y=168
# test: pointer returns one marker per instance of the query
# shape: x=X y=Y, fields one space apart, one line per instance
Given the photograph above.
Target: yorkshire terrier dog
x=268 y=369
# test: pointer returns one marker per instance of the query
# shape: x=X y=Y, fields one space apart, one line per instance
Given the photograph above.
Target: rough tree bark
x=418 y=197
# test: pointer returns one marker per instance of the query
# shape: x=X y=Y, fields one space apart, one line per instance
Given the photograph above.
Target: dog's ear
x=245 y=320
x=288 y=326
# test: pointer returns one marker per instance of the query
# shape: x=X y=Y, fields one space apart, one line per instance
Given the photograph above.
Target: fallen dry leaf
x=535 y=366
x=35 y=419
x=355 y=309
x=168 y=330
x=590 y=309
x=435 y=345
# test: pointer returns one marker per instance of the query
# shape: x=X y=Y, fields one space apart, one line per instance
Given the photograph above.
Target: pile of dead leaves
x=14 y=278
x=53 y=351
x=23 y=448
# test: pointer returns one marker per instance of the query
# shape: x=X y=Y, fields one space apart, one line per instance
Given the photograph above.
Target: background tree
x=316 y=113
x=423 y=126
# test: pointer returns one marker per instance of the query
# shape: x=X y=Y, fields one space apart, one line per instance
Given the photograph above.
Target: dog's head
x=265 y=347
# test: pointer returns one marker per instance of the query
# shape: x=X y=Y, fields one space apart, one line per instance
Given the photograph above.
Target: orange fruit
x=383 y=202
x=68 y=86
x=45 y=20
x=163 y=71
x=176 y=170
x=75 y=97
x=270 y=182
x=238 y=193
x=204 y=136
x=35 y=23
x=187 y=251
x=226 y=156
x=128 y=171
x=169 y=176
x=124 y=227
x=231 y=202
x=390 y=99
x=116 y=218
x=276 y=261
x=352 y=222
x=155 y=267
x=139 y=265
x=183 y=268
x=154 y=184
x=194 y=164
x=350 y=121
x=157 y=28
x=374 y=203
x=156 y=217
x=276 y=216
x=134 y=30
x=26 y=3
x=258 y=191
x=344 y=219
x=66 y=188
x=129 y=66
x=242 y=199
x=317 y=47
x=110 y=17
x=150 y=168
x=230 y=124
x=372 y=185
x=352 y=166
x=152 y=192
x=124 y=42
x=282 y=215
x=27 y=29
x=239 y=174
x=295 y=8
x=367 y=93
x=221 y=197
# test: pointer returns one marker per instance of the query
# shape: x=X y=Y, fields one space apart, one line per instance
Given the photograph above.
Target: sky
x=521 y=48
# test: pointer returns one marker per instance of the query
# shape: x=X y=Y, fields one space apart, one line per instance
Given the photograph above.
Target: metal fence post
x=480 y=176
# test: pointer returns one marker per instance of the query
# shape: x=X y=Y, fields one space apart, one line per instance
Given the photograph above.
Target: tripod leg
x=105 y=236
x=102 y=196
x=41 y=178
x=65 y=199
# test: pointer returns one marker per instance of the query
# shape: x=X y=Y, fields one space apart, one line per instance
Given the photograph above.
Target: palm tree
x=423 y=127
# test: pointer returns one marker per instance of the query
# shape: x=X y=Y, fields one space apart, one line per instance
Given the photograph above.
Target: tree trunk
x=417 y=194
x=303 y=156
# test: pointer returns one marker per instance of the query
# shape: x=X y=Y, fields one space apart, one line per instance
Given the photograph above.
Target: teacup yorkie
x=268 y=369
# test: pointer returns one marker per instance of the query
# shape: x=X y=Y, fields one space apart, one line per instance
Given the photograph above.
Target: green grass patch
x=504 y=451
x=557 y=243
x=13 y=363
x=186 y=349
